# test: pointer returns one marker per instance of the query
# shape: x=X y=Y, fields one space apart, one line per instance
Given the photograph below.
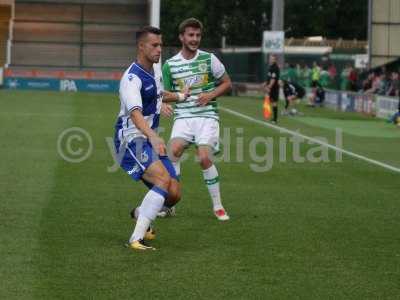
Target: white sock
x=137 y=212
x=177 y=167
x=151 y=205
x=142 y=223
x=212 y=181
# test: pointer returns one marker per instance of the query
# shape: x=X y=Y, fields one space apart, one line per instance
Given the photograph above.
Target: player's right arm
x=132 y=100
x=175 y=97
x=168 y=94
x=141 y=124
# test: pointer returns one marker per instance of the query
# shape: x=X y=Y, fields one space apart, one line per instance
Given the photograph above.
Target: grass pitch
x=326 y=230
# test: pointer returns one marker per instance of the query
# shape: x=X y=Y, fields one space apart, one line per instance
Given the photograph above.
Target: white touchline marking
x=284 y=130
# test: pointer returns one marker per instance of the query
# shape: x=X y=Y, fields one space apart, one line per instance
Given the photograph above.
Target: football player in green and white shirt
x=196 y=118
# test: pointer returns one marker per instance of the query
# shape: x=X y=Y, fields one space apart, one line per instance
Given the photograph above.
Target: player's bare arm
x=156 y=141
x=224 y=86
x=167 y=110
x=175 y=97
x=168 y=97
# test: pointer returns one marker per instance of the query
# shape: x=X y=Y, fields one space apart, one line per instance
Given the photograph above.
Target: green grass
x=299 y=231
x=377 y=129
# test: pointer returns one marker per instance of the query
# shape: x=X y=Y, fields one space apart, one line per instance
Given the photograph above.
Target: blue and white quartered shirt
x=142 y=90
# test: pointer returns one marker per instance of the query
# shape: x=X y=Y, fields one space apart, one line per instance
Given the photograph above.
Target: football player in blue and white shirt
x=142 y=152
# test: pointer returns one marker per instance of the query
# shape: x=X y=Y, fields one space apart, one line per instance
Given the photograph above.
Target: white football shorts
x=198 y=131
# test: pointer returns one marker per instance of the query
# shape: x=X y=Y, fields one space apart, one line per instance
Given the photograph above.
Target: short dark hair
x=191 y=22
x=144 y=31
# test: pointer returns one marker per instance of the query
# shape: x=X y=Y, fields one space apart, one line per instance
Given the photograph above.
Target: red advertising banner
x=56 y=74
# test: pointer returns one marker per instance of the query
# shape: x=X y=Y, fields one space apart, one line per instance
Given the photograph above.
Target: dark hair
x=144 y=31
x=191 y=22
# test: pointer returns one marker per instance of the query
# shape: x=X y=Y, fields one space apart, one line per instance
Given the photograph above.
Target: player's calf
x=174 y=196
x=174 y=193
x=211 y=179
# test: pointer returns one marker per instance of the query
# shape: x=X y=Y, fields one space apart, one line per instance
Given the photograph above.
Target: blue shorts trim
x=170 y=168
x=160 y=191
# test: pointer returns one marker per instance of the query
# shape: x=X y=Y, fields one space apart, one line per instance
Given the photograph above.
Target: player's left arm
x=224 y=86
x=224 y=82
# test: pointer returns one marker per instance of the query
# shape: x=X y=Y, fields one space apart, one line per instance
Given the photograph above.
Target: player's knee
x=205 y=160
x=176 y=151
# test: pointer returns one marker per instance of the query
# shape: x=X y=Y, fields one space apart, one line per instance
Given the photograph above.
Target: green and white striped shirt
x=199 y=74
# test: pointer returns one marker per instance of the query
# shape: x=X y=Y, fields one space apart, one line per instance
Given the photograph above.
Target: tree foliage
x=242 y=22
x=329 y=18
